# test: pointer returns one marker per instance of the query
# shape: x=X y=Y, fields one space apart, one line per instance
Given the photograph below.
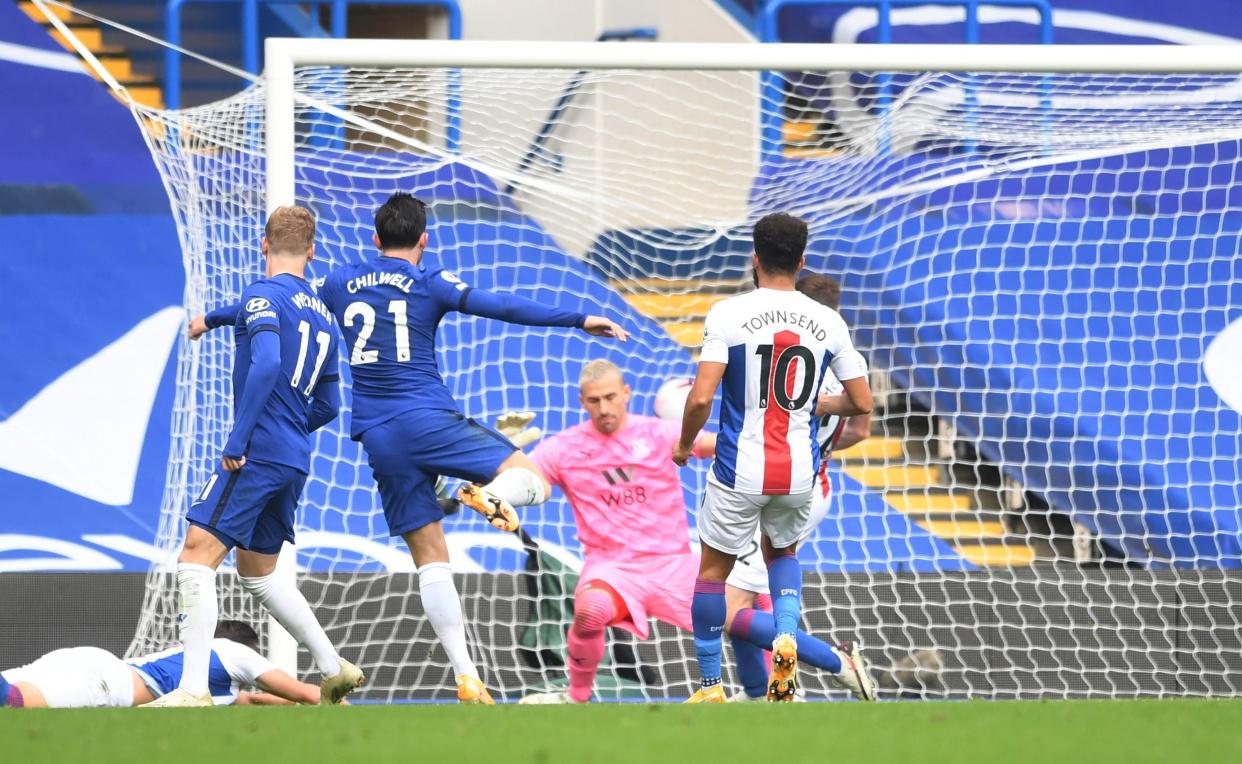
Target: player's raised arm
x=459 y=296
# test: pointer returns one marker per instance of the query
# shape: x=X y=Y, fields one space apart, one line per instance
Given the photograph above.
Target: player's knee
x=593 y=611
x=202 y=548
x=771 y=552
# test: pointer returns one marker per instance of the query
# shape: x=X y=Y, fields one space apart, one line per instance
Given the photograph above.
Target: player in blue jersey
x=388 y=310
x=89 y=677
x=284 y=387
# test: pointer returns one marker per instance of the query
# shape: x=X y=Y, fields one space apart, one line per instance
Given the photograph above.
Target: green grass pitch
x=1062 y=732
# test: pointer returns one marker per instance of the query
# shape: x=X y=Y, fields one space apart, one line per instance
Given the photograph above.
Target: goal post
x=1037 y=249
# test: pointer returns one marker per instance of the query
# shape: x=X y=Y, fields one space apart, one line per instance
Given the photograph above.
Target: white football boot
x=179 y=698
x=333 y=689
x=854 y=675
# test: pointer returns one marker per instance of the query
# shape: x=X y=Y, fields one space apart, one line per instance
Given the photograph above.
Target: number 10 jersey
x=777 y=346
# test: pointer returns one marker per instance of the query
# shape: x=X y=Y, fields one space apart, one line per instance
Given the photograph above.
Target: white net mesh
x=1036 y=266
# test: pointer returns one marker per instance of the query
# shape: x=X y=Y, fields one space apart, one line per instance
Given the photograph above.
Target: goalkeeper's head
x=239 y=632
x=780 y=240
x=289 y=239
x=605 y=395
x=401 y=226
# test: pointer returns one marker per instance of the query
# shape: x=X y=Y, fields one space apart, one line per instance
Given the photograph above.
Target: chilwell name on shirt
x=398 y=280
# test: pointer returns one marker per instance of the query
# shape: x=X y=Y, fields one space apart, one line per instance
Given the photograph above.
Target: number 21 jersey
x=777 y=346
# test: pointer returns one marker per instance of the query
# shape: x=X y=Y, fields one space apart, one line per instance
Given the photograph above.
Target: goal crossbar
x=1087 y=59
x=283 y=54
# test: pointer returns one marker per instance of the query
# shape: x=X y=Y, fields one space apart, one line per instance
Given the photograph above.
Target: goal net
x=1041 y=267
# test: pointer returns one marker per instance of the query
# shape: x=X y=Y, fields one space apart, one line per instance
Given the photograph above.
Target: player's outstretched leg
x=516 y=483
x=785 y=584
x=495 y=510
x=759 y=629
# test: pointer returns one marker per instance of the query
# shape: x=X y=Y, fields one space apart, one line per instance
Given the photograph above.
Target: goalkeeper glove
x=514 y=425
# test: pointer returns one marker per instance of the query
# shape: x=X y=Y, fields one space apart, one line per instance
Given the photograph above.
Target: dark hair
x=400 y=223
x=240 y=632
x=822 y=289
x=780 y=240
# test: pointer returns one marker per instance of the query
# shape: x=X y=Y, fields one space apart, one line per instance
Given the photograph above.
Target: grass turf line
x=1012 y=732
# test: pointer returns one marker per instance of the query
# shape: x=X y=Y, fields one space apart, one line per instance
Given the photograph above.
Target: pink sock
x=15 y=699
x=593 y=611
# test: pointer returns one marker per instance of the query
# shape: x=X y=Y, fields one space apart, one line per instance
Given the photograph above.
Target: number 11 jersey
x=777 y=346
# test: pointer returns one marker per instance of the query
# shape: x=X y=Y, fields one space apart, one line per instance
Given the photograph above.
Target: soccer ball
x=670 y=400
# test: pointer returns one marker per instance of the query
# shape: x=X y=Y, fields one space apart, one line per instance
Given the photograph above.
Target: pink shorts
x=651 y=585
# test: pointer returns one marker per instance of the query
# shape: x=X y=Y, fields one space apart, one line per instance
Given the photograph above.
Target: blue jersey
x=232 y=667
x=388 y=311
x=286 y=349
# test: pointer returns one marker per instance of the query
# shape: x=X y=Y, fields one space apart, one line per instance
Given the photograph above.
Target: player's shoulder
x=261 y=288
x=336 y=277
x=732 y=304
x=570 y=434
x=830 y=318
x=227 y=648
x=236 y=657
x=645 y=426
x=643 y=422
x=445 y=280
x=569 y=440
x=260 y=299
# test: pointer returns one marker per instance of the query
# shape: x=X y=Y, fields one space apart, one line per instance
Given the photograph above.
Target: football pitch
x=993 y=732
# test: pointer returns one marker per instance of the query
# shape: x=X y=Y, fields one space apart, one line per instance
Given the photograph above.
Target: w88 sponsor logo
x=623 y=495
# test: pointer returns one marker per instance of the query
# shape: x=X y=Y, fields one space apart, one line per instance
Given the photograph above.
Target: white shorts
x=79 y=677
x=728 y=519
x=750 y=573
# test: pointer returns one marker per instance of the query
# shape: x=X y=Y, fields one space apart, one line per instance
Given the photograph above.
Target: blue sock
x=752 y=669
x=10 y=695
x=785 y=584
x=759 y=629
x=707 y=612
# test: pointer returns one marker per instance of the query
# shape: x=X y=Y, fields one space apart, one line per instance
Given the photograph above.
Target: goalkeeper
x=627 y=502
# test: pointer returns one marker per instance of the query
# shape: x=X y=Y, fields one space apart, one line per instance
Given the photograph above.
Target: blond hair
x=290 y=230
x=597 y=370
